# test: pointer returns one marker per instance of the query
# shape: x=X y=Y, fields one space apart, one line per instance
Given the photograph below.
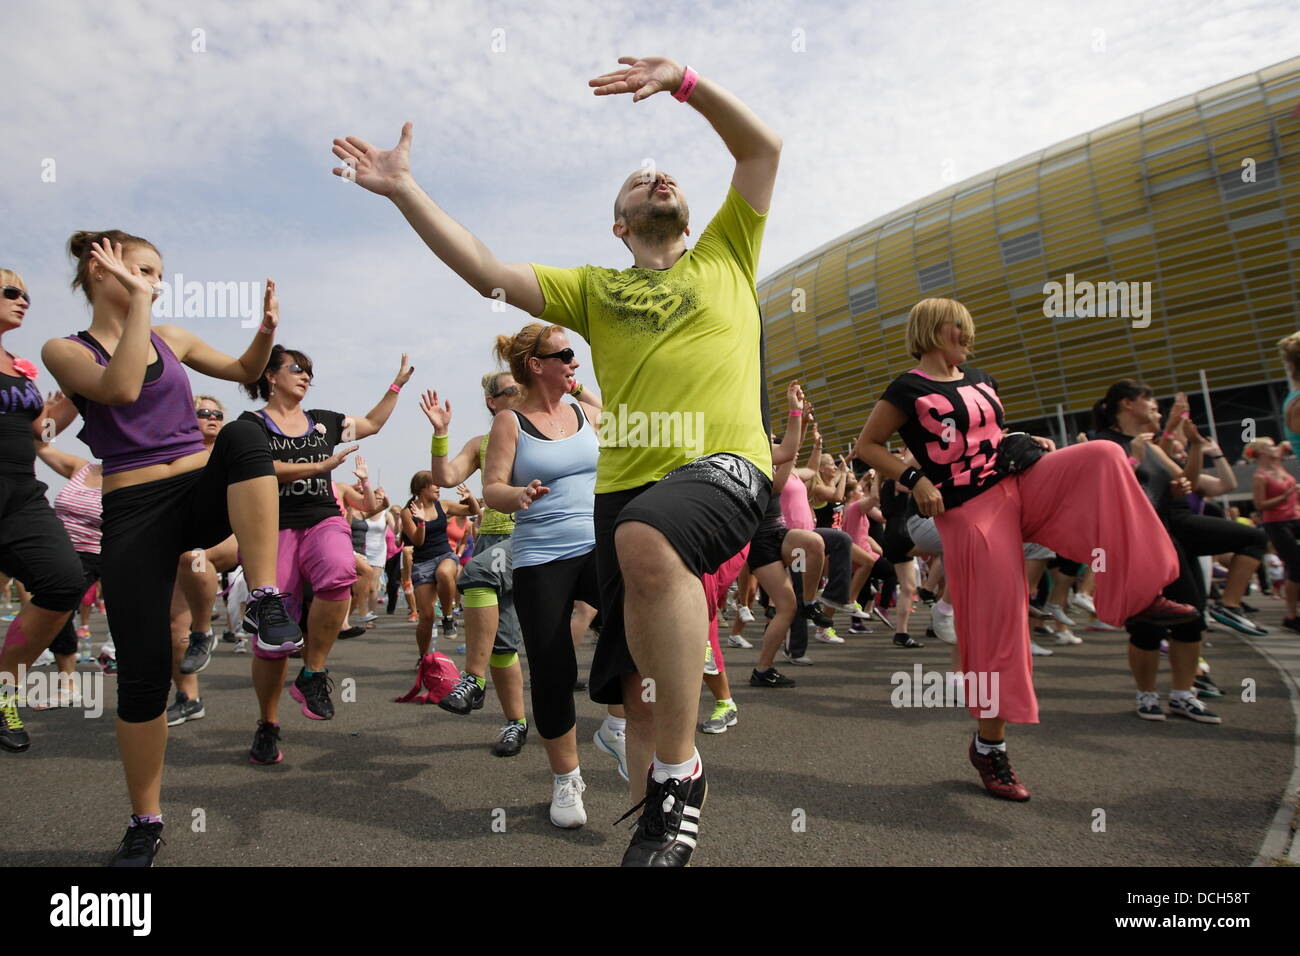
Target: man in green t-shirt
x=685 y=467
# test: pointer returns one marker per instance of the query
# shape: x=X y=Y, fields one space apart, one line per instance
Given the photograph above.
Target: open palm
x=381 y=171
x=644 y=76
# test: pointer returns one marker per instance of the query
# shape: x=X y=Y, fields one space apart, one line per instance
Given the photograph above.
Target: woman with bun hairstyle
x=164 y=492
x=34 y=547
x=315 y=541
x=1073 y=501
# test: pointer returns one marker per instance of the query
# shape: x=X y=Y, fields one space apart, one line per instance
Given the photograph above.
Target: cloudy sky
x=206 y=127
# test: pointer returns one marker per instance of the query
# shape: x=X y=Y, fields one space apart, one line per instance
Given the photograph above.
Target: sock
x=616 y=725
x=943 y=607
x=728 y=702
x=1148 y=697
x=481 y=681
x=986 y=747
x=146 y=818
x=574 y=774
x=681 y=771
x=267 y=591
x=1179 y=694
x=207 y=634
x=522 y=723
x=307 y=673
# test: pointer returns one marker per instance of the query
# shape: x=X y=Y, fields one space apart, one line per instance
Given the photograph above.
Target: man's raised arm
x=388 y=173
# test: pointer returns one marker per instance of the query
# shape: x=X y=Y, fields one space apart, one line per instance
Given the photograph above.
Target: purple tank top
x=159 y=427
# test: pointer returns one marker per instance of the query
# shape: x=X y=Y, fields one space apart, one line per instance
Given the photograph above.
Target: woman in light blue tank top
x=541 y=467
x=1290 y=349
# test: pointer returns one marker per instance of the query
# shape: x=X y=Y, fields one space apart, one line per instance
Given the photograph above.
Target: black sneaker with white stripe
x=669 y=827
x=199 y=654
x=140 y=845
x=266 y=620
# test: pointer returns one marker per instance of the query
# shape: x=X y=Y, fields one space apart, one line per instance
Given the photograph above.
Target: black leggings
x=34 y=546
x=1204 y=534
x=393 y=568
x=146 y=527
x=1187 y=588
x=65 y=642
x=1283 y=534
x=544 y=596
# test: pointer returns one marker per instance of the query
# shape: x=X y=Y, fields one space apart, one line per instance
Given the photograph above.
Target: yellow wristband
x=438 y=447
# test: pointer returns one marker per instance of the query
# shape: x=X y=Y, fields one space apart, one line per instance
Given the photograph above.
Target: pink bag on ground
x=437 y=675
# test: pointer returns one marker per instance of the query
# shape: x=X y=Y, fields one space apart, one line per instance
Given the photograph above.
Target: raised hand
x=464 y=492
x=530 y=494
x=794 y=397
x=336 y=459
x=270 y=307
x=416 y=508
x=360 y=470
x=109 y=257
x=439 y=417
x=404 y=372
x=382 y=171
x=643 y=76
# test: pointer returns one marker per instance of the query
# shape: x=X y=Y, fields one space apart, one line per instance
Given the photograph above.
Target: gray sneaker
x=723 y=716
x=184 y=709
x=199 y=654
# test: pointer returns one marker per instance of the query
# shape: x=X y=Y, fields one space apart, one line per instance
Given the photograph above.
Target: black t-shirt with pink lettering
x=953 y=429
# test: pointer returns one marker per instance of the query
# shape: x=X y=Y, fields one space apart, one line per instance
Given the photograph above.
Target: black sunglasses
x=564 y=355
x=13 y=292
x=297 y=369
x=210 y=413
x=510 y=390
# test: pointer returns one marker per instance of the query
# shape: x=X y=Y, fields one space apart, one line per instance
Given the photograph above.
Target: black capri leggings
x=393 y=568
x=1187 y=588
x=1204 y=534
x=544 y=596
x=146 y=527
x=34 y=546
x=1283 y=534
x=65 y=642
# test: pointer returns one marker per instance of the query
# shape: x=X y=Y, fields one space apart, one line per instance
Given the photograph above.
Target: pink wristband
x=689 y=79
x=265 y=331
x=1133 y=461
x=395 y=388
x=796 y=413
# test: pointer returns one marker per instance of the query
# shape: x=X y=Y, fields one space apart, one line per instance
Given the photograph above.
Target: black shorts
x=34 y=546
x=65 y=642
x=708 y=509
x=765 y=546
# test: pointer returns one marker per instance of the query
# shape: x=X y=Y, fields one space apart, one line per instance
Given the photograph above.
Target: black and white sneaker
x=448 y=627
x=140 y=845
x=669 y=826
x=464 y=697
x=1205 y=687
x=812 y=611
x=183 y=709
x=13 y=736
x=1148 y=707
x=1235 y=619
x=769 y=678
x=267 y=621
x=1193 y=709
x=199 y=654
x=511 y=740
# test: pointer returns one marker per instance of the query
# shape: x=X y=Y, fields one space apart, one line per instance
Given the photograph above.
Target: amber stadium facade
x=1160 y=247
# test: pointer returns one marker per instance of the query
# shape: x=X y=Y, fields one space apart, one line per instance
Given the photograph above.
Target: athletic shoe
x=1057 y=612
x=107 y=662
x=944 y=627
x=1291 y=623
x=13 y=736
x=803 y=660
x=854 y=609
x=314 y=694
x=1099 y=625
x=1038 y=651
x=83 y=632
x=199 y=654
x=1043 y=630
x=927 y=596
x=769 y=612
x=241 y=646
x=827 y=635
x=1036 y=610
x=614 y=744
x=448 y=627
x=1148 y=707
x=413 y=617
x=906 y=640
x=266 y=744
x=769 y=678
x=1067 y=636
x=723 y=716
x=857 y=627
x=1235 y=619
x=368 y=617
x=266 y=620
x=1206 y=687
x=350 y=633
x=464 y=697
x=812 y=612
x=996 y=773
x=566 y=802
x=1083 y=602
x=43 y=659
x=745 y=615
x=140 y=845
x=511 y=739
x=1248 y=609
x=710 y=665
x=669 y=826
x=184 y=709
x=1193 y=709
x=881 y=616
x=460 y=649
x=1164 y=612
x=738 y=640
x=229 y=637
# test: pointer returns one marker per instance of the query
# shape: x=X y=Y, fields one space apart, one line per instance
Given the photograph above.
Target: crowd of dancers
x=587 y=520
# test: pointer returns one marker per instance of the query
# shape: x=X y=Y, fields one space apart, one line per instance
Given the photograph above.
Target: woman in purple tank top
x=164 y=491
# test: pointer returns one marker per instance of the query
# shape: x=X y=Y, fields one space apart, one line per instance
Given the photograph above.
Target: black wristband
x=909 y=478
x=1212 y=457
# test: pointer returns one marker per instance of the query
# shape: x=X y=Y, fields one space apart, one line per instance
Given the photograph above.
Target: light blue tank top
x=558 y=525
x=1290 y=436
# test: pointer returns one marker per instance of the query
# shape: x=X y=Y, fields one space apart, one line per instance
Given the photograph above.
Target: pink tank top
x=795 y=508
x=855 y=524
x=1288 y=510
x=80 y=509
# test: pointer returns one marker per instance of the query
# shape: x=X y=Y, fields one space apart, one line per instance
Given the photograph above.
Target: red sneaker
x=1164 y=612
x=995 y=770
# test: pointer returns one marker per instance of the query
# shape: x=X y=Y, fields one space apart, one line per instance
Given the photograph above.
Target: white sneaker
x=1039 y=651
x=567 y=810
x=746 y=615
x=827 y=635
x=45 y=658
x=368 y=617
x=804 y=661
x=855 y=609
x=241 y=646
x=1058 y=613
x=1067 y=636
x=943 y=625
x=1099 y=625
x=614 y=744
x=737 y=640
x=1083 y=602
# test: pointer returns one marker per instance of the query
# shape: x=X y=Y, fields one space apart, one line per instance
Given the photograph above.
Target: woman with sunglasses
x=315 y=542
x=164 y=492
x=34 y=547
x=433 y=565
x=541 y=467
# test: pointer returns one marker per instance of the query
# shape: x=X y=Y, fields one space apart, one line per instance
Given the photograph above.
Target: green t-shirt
x=676 y=351
x=492 y=521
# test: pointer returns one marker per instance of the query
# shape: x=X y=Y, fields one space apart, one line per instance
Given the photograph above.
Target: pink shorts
x=322 y=557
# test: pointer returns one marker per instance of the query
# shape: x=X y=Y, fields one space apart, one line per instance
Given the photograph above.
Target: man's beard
x=658 y=223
